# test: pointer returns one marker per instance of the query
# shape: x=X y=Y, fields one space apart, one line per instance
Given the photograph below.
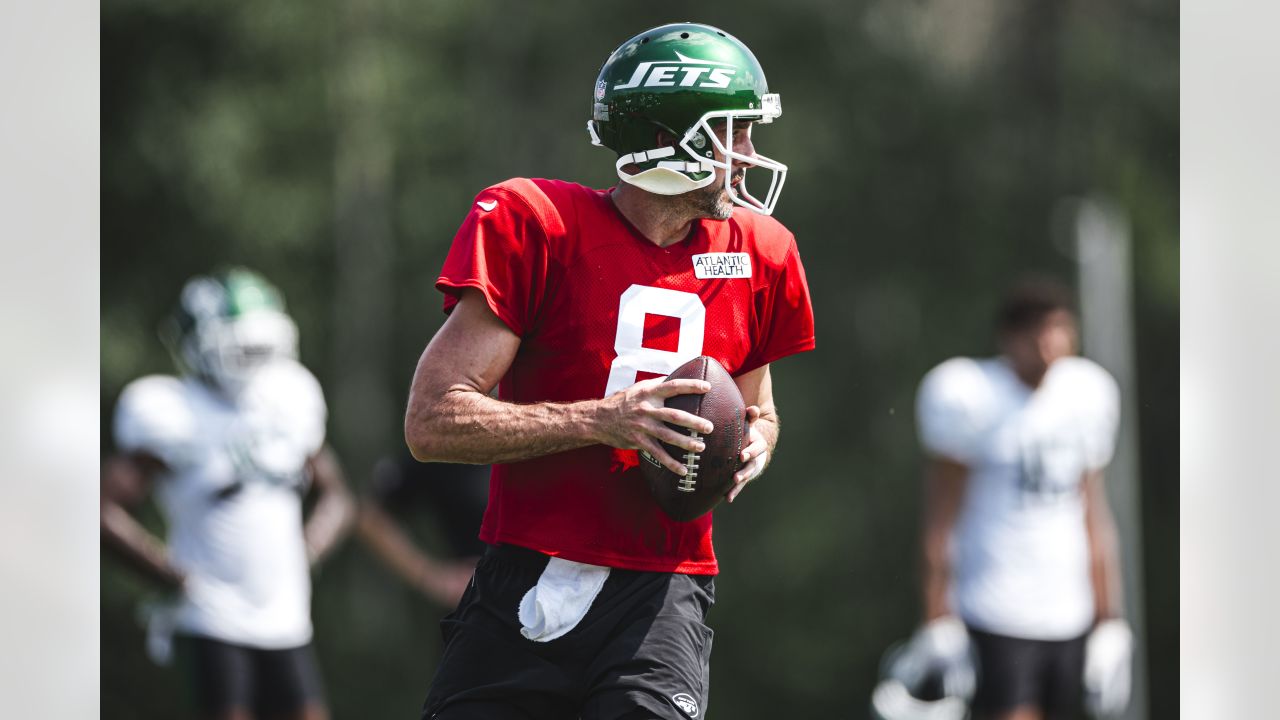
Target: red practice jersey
x=598 y=307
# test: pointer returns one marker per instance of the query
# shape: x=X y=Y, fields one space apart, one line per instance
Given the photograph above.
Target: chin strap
x=668 y=177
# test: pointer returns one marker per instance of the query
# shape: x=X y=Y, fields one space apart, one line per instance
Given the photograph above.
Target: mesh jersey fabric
x=598 y=307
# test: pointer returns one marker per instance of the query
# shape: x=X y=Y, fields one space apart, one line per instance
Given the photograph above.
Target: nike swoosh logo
x=487 y=206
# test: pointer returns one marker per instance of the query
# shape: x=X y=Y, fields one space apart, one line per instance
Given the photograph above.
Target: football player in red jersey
x=589 y=601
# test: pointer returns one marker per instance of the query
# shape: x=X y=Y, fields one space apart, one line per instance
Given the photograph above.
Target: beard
x=711 y=201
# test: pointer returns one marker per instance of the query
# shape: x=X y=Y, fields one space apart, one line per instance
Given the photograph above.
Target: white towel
x=560 y=600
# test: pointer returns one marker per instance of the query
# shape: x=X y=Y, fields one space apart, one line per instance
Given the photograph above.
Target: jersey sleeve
x=1103 y=412
x=500 y=250
x=154 y=416
x=284 y=402
x=949 y=410
x=785 y=314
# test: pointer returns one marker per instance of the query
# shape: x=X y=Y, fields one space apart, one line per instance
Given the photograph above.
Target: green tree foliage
x=335 y=147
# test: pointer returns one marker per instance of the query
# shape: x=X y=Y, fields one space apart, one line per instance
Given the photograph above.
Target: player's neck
x=660 y=220
x=1031 y=380
x=1030 y=377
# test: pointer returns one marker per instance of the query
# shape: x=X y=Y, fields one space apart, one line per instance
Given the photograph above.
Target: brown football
x=711 y=471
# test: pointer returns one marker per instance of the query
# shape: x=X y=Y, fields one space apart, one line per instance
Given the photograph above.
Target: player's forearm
x=139 y=548
x=1107 y=597
x=946 y=482
x=334 y=513
x=470 y=427
x=392 y=546
x=935 y=578
x=1104 y=551
x=1104 y=558
x=329 y=522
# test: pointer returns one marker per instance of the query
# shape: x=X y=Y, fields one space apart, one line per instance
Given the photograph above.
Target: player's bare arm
x=945 y=483
x=1109 y=648
x=1104 y=549
x=452 y=418
x=335 y=509
x=126 y=483
x=440 y=580
x=763 y=426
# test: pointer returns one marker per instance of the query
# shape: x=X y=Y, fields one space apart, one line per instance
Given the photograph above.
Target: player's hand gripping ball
x=710 y=472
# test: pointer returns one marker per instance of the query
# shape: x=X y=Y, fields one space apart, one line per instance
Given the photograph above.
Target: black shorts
x=1014 y=672
x=642 y=650
x=220 y=676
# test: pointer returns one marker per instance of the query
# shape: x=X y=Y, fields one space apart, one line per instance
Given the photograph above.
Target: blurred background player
x=230 y=448
x=1021 y=564
x=451 y=497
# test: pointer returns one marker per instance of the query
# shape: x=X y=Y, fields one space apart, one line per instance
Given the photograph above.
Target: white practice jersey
x=1020 y=550
x=232 y=497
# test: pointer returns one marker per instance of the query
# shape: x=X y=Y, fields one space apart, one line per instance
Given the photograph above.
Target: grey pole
x=1102 y=249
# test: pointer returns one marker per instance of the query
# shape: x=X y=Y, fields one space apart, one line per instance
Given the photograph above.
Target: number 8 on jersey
x=637 y=302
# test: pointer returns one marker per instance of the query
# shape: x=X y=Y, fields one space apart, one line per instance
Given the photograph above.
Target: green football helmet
x=228 y=325
x=685 y=79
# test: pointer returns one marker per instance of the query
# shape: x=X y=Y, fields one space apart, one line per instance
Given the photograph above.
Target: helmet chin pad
x=665 y=176
x=665 y=181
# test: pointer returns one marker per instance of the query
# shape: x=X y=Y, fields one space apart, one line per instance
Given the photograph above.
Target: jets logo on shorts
x=684 y=71
x=686 y=703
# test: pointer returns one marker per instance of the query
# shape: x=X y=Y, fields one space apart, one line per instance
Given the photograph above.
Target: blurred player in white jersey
x=1021 y=577
x=231 y=448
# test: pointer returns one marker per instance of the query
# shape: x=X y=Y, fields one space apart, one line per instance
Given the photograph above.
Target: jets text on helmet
x=662 y=73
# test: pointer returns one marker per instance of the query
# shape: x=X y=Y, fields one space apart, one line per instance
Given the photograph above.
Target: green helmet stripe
x=247 y=292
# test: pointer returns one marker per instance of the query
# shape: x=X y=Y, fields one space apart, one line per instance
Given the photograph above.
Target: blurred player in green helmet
x=230 y=448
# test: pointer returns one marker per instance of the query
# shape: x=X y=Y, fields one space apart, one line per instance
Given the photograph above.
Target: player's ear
x=664 y=139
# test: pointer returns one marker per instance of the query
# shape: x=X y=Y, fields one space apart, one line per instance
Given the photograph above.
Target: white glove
x=1108 y=659
x=161 y=619
x=940 y=646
